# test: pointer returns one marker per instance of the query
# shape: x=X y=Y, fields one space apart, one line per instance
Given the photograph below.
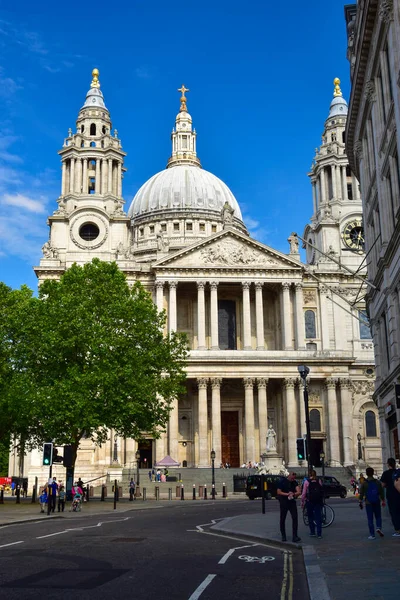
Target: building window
x=163 y=227
x=348 y=171
x=344 y=137
x=350 y=191
x=370 y=424
x=202 y=227
x=141 y=231
x=333 y=137
x=184 y=142
x=315 y=420
x=82 y=128
x=151 y=229
x=93 y=144
x=89 y=232
x=104 y=130
x=365 y=331
x=92 y=129
x=92 y=164
x=189 y=226
x=176 y=226
x=309 y=320
x=92 y=185
x=213 y=228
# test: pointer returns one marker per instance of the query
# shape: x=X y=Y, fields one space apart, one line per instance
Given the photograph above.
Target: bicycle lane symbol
x=256 y=559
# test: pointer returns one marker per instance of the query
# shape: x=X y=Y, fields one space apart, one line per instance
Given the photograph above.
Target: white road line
x=200 y=527
x=197 y=593
x=12 y=544
x=231 y=551
x=40 y=537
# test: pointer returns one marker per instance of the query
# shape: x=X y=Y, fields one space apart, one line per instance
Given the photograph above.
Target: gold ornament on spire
x=95 y=81
x=183 y=89
x=337 y=91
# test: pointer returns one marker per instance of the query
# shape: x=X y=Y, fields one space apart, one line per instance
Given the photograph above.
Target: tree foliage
x=91 y=355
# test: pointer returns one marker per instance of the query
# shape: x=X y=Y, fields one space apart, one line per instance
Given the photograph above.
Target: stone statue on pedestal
x=271 y=439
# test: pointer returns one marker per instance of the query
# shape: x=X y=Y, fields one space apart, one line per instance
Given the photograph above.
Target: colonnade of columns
x=338 y=409
x=291 y=331
x=339 y=186
x=107 y=176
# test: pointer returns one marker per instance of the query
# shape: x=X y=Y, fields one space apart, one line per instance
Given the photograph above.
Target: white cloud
x=30 y=204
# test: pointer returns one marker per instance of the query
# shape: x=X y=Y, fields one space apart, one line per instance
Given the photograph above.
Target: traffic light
x=56 y=456
x=47 y=454
x=67 y=458
x=301 y=448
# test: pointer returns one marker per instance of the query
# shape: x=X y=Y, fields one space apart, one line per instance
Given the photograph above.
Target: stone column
x=204 y=457
x=300 y=326
x=214 y=315
x=78 y=182
x=216 y=419
x=314 y=197
x=291 y=421
x=119 y=180
x=323 y=186
x=85 y=185
x=172 y=306
x=259 y=316
x=338 y=182
x=246 y=318
x=347 y=411
x=249 y=419
x=333 y=423
x=324 y=320
x=159 y=295
x=97 y=181
x=333 y=172
x=160 y=448
x=72 y=176
x=344 y=184
x=173 y=430
x=63 y=178
x=109 y=176
x=201 y=317
x=262 y=383
x=286 y=317
x=103 y=176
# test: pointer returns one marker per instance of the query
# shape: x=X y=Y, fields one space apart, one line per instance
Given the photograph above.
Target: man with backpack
x=390 y=481
x=372 y=491
x=313 y=498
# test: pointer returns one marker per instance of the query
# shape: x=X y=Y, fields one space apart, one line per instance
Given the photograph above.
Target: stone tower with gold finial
x=336 y=223
x=183 y=137
x=90 y=213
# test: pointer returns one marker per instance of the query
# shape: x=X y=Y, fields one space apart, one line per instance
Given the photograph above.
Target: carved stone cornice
x=363 y=387
x=358 y=149
x=202 y=383
x=369 y=91
x=262 y=382
x=216 y=383
x=330 y=382
x=248 y=382
x=385 y=10
x=289 y=382
x=345 y=383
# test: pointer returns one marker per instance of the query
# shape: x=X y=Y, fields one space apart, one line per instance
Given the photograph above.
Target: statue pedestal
x=272 y=461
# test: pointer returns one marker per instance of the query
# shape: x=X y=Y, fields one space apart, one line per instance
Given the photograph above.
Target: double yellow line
x=287 y=583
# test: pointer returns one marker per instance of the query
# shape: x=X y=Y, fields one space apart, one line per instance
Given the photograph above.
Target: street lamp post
x=322 y=457
x=304 y=371
x=212 y=475
x=137 y=455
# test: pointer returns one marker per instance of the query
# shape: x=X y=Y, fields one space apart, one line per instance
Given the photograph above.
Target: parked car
x=254 y=490
x=333 y=487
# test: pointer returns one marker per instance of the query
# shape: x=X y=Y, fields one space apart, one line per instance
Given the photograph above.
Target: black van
x=254 y=490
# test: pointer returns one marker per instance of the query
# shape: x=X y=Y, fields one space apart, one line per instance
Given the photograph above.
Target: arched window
x=82 y=128
x=92 y=129
x=93 y=144
x=104 y=130
x=370 y=424
x=309 y=320
x=82 y=144
x=315 y=420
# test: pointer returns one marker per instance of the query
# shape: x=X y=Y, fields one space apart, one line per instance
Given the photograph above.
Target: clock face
x=353 y=236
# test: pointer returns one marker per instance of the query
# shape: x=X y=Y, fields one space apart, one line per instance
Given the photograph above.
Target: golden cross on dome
x=337 y=90
x=183 y=89
x=95 y=81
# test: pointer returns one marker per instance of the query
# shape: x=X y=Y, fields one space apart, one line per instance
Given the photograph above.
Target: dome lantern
x=183 y=137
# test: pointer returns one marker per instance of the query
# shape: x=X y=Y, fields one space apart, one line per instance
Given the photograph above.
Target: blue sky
x=260 y=77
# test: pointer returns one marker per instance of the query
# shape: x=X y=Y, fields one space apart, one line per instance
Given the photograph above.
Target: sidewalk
x=352 y=566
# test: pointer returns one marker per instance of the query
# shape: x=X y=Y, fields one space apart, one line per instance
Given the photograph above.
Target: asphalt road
x=151 y=553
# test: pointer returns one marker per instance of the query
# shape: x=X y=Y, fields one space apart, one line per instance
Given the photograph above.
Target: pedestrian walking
x=288 y=491
x=132 y=487
x=372 y=490
x=312 y=497
x=392 y=495
x=43 y=499
x=61 y=499
x=149 y=474
x=52 y=492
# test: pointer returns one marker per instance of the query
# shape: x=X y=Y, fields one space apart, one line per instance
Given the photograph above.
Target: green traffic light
x=46 y=461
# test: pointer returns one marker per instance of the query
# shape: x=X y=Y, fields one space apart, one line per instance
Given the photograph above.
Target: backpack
x=314 y=492
x=372 y=494
x=396 y=479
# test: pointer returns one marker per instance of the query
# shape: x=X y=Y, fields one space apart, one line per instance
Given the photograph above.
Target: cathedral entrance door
x=230 y=437
x=316 y=447
x=227 y=324
x=146 y=454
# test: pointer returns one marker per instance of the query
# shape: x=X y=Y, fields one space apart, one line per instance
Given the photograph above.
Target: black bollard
x=205 y=492
x=182 y=492
x=115 y=494
x=144 y=494
x=213 y=492
x=33 y=495
x=102 y=499
x=263 y=492
x=18 y=493
x=1 y=496
x=194 y=491
x=169 y=493
x=157 y=491
x=223 y=490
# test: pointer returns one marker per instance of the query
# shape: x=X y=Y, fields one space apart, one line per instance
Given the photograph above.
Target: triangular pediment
x=229 y=248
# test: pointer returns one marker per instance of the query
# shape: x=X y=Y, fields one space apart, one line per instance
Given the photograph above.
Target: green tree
x=94 y=356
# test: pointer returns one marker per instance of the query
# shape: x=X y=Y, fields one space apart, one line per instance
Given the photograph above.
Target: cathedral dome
x=183 y=187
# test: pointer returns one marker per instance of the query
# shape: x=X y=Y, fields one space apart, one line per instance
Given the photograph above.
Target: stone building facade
x=373 y=141
x=252 y=314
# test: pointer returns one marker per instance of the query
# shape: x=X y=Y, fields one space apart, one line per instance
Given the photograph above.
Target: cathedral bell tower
x=336 y=224
x=89 y=221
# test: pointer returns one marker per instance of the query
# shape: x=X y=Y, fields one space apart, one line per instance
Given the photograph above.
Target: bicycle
x=328 y=515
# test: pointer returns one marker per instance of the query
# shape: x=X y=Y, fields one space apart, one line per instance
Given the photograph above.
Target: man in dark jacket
x=392 y=495
x=288 y=491
x=372 y=491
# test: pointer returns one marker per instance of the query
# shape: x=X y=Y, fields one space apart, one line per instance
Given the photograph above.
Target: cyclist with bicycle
x=312 y=497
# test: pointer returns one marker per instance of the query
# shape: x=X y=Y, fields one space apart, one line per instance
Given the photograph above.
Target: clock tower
x=336 y=224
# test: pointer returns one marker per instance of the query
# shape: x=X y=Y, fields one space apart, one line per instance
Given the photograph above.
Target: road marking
x=290 y=595
x=40 y=537
x=12 y=544
x=231 y=551
x=251 y=559
x=237 y=539
x=99 y=524
x=197 y=593
x=200 y=527
x=285 y=576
